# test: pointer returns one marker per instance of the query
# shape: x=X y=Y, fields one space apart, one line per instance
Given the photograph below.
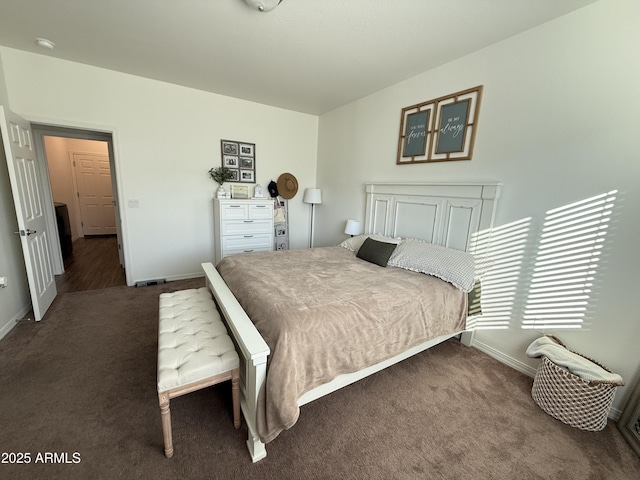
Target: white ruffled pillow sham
x=453 y=266
x=354 y=243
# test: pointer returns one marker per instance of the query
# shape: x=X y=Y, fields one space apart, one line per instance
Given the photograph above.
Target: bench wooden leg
x=165 y=415
x=235 y=392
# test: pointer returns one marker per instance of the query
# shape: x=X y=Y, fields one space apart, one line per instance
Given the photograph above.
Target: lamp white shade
x=312 y=196
x=352 y=228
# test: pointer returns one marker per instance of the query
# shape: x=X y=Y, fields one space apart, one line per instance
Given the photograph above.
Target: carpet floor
x=79 y=396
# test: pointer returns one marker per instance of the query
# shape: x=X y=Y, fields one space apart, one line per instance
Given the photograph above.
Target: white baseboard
x=6 y=328
x=506 y=359
x=169 y=278
x=185 y=276
x=614 y=413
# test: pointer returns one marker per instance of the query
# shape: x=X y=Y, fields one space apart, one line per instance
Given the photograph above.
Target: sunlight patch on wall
x=566 y=264
x=499 y=256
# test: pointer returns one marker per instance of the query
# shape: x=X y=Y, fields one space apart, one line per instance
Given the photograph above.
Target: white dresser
x=242 y=226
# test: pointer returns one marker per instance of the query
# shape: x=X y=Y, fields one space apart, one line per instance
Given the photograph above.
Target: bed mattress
x=324 y=312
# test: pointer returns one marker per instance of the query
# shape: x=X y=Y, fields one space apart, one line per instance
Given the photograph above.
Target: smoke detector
x=263 y=5
x=45 y=43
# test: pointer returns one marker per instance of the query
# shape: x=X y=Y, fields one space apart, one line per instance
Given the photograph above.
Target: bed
x=264 y=298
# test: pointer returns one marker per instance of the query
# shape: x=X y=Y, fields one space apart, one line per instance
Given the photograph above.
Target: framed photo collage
x=240 y=158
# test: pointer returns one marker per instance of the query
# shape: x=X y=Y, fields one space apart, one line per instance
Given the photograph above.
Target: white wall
x=558 y=123
x=166 y=138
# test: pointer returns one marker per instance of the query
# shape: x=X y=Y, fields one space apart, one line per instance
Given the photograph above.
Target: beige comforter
x=324 y=312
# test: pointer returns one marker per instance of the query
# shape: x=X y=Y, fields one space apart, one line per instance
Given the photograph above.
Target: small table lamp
x=314 y=197
x=352 y=228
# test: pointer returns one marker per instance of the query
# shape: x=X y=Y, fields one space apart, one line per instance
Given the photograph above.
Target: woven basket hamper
x=571 y=399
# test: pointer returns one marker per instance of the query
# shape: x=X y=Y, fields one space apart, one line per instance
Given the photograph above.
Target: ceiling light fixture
x=43 y=42
x=263 y=5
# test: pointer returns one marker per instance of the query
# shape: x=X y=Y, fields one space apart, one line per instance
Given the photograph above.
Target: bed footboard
x=252 y=350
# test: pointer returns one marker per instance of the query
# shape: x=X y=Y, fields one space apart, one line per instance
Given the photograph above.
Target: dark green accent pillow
x=376 y=252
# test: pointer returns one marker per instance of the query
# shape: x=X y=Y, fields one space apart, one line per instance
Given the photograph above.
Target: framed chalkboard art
x=439 y=130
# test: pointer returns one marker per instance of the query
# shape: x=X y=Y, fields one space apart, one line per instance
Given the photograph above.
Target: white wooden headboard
x=445 y=214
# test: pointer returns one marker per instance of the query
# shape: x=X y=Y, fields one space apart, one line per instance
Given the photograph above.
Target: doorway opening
x=83 y=185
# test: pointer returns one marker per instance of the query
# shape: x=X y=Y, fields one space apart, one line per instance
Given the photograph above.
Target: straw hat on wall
x=287 y=186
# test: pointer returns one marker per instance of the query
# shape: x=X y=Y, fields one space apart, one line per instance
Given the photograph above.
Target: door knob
x=25 y=233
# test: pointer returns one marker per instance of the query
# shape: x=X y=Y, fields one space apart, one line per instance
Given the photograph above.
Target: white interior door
x=27 y=189
x=95 y=193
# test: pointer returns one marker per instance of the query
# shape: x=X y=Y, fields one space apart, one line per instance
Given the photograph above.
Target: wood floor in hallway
x=93 y=264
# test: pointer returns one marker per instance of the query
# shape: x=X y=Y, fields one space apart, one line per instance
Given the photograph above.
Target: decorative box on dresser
x=242 y=226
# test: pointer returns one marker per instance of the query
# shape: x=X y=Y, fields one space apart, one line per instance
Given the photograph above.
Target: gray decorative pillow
x=376 y=252
x=453 y=266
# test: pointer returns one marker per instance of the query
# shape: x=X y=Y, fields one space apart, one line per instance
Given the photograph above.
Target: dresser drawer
x=246 y=227
x=226 y=253
x=234 y=211
x=246 y=243
x=243 y=211
x=261 y=212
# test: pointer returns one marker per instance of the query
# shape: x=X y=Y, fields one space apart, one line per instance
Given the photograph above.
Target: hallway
x=93 y=264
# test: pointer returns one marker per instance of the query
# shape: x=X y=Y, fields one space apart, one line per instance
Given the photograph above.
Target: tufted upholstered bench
x=194 y=352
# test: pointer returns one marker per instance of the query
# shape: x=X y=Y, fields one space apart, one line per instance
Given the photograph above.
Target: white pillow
x=354 y=243
x=453 y=266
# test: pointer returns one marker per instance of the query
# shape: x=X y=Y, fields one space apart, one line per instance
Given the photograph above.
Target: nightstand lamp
x=352 y=228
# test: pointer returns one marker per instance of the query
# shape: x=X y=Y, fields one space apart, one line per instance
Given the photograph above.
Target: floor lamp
x=312 y=196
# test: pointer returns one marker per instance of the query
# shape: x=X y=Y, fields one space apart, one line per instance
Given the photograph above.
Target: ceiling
x=306 y=55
